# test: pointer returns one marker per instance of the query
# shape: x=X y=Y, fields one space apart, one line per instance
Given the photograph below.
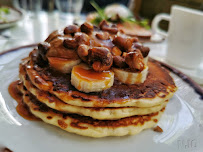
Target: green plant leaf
x=5 y=10
x=101 y=16
x=144 y=23
x=99 y=10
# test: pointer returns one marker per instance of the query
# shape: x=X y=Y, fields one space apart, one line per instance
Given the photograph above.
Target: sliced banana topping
x=62 y=65
x=146 y=60
x=128 y=77
x=87 y=80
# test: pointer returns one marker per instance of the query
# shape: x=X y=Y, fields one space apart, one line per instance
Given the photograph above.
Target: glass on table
x=69 y=9
x=31 y=7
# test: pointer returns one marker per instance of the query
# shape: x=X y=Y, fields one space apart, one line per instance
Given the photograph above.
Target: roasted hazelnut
x=70 y=43
x=137 y=45
x=43 y=47
x=103 y=23
x=100 y=58
x=116 y=51
x=111 y=28
x=82 y=38
x=37 y=57
x=135 y=39
x=6 y=150
x=71 y=29
x=86 y=27
x=97 y=66
x=132 y=49
x=145 y=51
x=83 y=52
x=135 y=60
x=119 y=61
x=123 y=41
x=121 y=31
x=102 y=35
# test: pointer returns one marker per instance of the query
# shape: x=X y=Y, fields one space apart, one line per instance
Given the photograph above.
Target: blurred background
x=31 y=21
x=63 y=12
x=144 y=8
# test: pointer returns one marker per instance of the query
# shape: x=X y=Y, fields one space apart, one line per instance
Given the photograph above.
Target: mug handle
x=155 y=23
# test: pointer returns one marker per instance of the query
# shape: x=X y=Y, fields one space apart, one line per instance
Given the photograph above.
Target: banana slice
x=131 y=77
x=87 y=80
x=63 y=65
x=146 y=60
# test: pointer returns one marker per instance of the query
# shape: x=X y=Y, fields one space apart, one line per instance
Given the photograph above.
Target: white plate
x=182 y=123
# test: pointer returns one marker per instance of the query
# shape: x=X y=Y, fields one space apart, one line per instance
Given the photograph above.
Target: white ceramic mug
x=185 y=36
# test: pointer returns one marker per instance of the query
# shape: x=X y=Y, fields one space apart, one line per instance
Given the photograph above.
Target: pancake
x=90 y=98
x=87 y=126
x=96 y=113
x=158 y=87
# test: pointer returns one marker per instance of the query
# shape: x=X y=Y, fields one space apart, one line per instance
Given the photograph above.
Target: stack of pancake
x=121 y=109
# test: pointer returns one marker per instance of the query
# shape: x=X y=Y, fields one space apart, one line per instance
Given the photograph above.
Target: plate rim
x=16 y=20
x=197 y=88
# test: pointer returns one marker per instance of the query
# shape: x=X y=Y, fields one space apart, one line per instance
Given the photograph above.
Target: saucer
x=158 y=51
x=195 y=74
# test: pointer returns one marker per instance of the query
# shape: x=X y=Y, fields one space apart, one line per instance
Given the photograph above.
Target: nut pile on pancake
x=94 y=81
